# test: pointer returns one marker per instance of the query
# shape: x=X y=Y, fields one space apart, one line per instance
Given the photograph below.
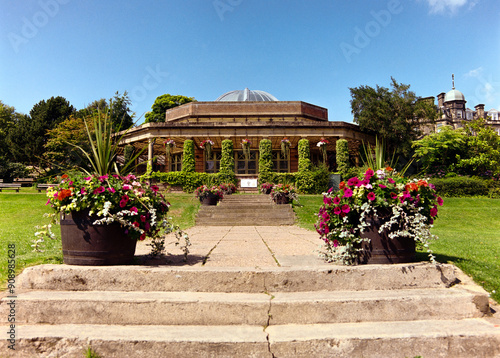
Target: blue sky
x=311 y=51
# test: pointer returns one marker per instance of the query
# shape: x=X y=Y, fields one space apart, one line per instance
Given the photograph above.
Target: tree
x=118 y=109
x=60 y=150
x=483 y=150
x=395 y=114
x=29 y=133
x=164 y=102
x=8 y=168
x=438 y=151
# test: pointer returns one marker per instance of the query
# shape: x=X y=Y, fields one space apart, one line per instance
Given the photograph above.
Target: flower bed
x=405 y=208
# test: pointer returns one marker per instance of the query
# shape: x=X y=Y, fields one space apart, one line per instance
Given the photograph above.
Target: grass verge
x=21 y=212
x=468 y=231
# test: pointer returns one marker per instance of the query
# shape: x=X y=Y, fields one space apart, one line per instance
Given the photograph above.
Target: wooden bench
x=25 y=182
x=41 y=187
x=9 y=186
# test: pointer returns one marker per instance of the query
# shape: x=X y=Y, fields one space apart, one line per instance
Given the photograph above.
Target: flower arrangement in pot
x=227 y=188
x=169 y=145
x=284 y=194
x=377 y=218
x=285 y=147
x=207 y=145
x=245 y=146
x=266 y=188
x=322 y=147
x=209 y=195
x=102 y=215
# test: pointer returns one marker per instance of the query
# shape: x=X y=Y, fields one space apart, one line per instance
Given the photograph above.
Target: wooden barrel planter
x=210 y=199
x=381 y=249
x=94 y=245
x=281 y=199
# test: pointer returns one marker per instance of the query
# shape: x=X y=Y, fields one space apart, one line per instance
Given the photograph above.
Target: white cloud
x=475 y=72
x=449 y=6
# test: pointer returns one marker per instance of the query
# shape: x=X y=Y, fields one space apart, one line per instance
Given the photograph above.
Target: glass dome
x=246 y=95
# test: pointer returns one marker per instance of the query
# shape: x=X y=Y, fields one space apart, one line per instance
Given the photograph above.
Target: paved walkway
x=241 y=246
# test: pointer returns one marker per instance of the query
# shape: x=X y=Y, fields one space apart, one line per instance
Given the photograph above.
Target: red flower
x=371 y=196
x=337 y=210
x=63 y=194
x=336 y=200
x=434 y=211
x=440 y=201
x=353 y=181
x=341 y=185
x=346 y=208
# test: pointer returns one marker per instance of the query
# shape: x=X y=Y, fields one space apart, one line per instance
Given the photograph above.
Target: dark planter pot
x=281 y=199
x=383 y=250
x=266 y=191
x=211 y=199
x=94 y=245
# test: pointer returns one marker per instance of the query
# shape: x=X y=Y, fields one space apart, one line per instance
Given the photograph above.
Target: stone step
x=246 y=209
x=245 y=215
x=209 y=308
x=250 y=280
x=427 y=338
x=239 y=222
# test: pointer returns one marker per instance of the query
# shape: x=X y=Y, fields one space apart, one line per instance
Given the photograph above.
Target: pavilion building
x=244 y=114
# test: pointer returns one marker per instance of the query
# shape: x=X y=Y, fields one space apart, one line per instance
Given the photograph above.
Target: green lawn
x=468 y=231
x=21 y=212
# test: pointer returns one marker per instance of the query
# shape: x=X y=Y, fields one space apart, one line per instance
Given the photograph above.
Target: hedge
x=265 y=160
x=188 y=161
x=461 y=186
x=190 y=181
x=227 y=157
x=342 y=153
x=304 y=155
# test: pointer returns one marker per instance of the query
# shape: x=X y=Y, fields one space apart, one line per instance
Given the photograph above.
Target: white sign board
x=249 y=183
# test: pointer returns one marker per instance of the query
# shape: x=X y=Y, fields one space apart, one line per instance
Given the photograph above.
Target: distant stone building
x=453 y=112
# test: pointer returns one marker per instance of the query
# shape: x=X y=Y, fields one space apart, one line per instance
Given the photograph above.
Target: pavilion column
x=150 y=153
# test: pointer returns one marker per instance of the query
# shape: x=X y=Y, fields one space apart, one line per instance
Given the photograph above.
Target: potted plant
x=227 y=188
x=285 y=147
x=377 y=218
x=322 y=147
x=209 y=195
x=207 y=145
x=245 y=146
x=266 y=188
x=103 y=214
x=284 y=194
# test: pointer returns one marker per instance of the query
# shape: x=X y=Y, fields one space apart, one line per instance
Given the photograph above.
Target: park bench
x=41 y=187
x=10 y=186
x=25 y=182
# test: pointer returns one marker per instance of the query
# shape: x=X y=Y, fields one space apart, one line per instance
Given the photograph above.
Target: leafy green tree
x=118 y=109
x=483 y=149
x=7 y=119
x=395 y=114
x=29 y=133
x=439 y=151
x=164 y=102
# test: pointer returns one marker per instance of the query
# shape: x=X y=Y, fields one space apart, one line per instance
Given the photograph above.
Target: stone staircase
x=404 y=310
x=246 y=210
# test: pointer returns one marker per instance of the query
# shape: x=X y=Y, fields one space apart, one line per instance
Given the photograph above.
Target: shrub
x=265 y=160
x=461 y=186
x=190 y=181
x=304 y=155
x=342 y=157
x=188 y=157
x=227 y=157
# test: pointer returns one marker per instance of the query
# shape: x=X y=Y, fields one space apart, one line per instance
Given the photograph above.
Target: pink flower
x=154 y=188
x=440 y=201
x=382 y=186
x=394 y=196
x=337 y=210
x=434 y=211
x=123 y=203
x=353 y=181
x=103 y=178
x=133 y=209
x=143 y=236
x=390 y=180
x=327 y=200
x=83 y=191
x=347 y=193
x=346 y=208
x=371 y=196
x=143 y=218
x=335 y=243
x=112 y=190
x=126 y=187
x=369 y=173
x=99 y=190
x=88 y=178
x=136 y=224
x=325 y=216
x=336 y=200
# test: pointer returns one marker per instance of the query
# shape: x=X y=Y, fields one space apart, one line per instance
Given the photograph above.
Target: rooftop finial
x=453 y=81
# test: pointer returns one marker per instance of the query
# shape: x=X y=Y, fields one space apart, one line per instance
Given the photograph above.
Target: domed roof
x=246 y=95
x=454 y=95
